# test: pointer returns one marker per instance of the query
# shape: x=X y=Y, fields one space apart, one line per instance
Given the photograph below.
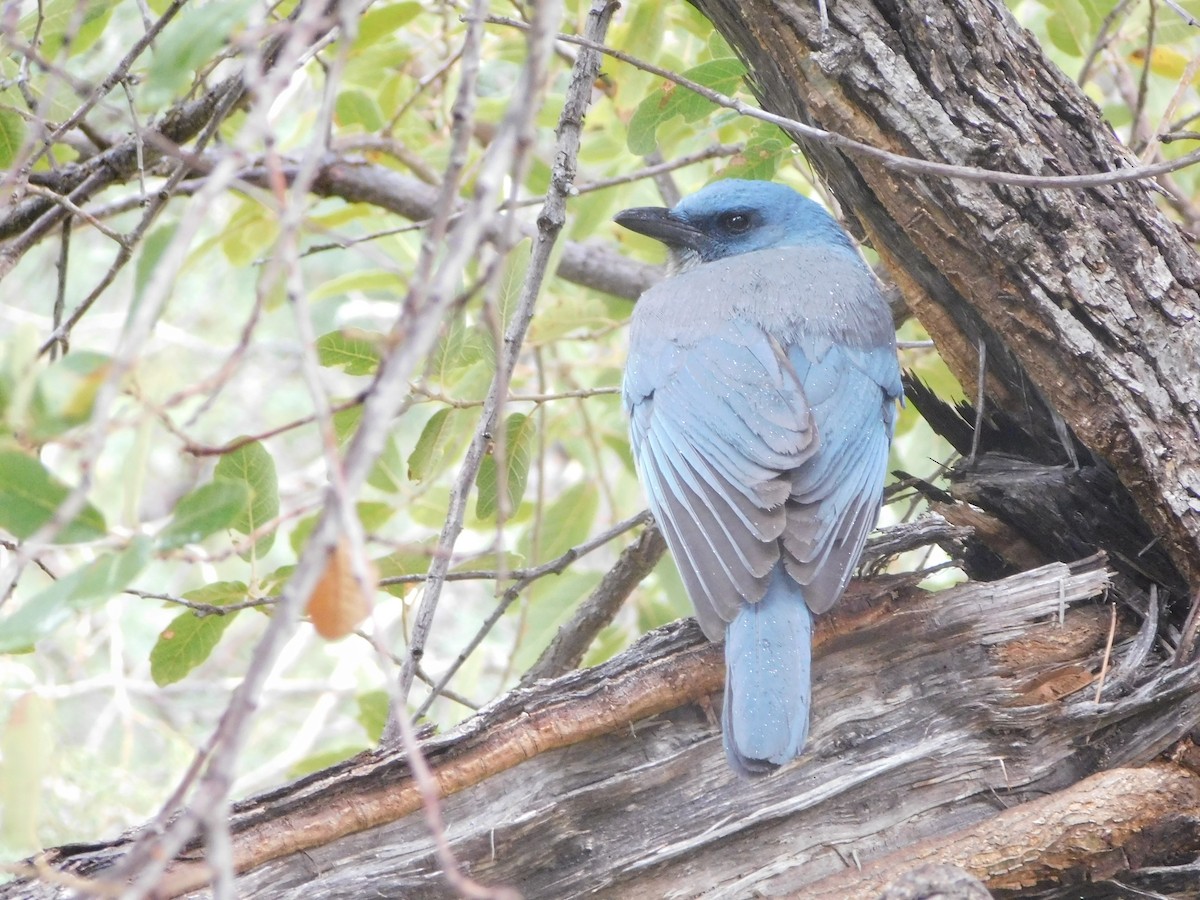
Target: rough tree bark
x=611 y=782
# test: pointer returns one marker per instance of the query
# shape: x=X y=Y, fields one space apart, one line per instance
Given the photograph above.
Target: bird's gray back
x=815 y=293
x=769 y=376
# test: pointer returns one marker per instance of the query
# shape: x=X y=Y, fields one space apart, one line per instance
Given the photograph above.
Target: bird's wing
x=835 y=495
x=718 y=425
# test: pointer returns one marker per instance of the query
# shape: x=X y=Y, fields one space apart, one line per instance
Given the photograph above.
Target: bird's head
x=731 y=217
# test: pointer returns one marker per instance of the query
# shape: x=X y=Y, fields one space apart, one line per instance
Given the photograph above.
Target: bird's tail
x=768 y=654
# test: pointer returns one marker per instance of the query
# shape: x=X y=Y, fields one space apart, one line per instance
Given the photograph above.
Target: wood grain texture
x=611 y=781
x=1106 y=822
x=1086 y=300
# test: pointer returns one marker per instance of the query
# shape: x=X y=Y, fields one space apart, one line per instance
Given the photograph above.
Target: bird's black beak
x=660 y=224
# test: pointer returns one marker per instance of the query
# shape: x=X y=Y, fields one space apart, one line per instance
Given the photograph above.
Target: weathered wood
x=1066 y=509
x=1086 y=300
x=931 y=712
x=1107 y=823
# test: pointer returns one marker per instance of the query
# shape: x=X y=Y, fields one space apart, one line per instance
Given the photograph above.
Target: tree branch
x=1108 y=823
x=571 y=642
x=612 y=779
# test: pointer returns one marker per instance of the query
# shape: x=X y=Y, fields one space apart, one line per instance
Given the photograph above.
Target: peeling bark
x=1108 y=823
x=931 y=716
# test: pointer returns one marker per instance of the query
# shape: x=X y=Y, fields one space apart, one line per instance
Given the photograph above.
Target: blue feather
x=768 y=649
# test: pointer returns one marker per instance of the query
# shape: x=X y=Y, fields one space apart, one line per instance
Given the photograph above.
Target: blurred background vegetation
x=99 y=713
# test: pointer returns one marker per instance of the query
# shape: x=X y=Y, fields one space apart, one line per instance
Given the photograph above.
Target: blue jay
x=761 y=389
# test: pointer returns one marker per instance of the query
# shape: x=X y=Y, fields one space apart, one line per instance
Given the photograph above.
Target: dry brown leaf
x=340 y=602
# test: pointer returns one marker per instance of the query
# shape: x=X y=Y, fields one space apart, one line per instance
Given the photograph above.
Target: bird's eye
x=735 y=222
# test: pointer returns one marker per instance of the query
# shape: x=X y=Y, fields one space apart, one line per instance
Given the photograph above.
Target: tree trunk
x=1086 y=300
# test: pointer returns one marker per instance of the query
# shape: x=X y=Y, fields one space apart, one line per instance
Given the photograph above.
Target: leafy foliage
x=205 y=511
x=670 y=100
x=30 y=496
x=190 y=638
x=511 y=472
x=251 y=469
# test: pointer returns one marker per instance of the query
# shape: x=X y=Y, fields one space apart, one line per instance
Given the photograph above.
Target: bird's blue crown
x=735 y=216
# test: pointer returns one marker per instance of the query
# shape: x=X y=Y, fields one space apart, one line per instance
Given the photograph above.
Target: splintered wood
x=934 y=736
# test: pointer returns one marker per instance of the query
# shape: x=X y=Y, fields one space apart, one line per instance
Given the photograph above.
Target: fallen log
x=941 y=720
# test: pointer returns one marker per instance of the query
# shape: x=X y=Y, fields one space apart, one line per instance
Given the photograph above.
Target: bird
x=761 y=387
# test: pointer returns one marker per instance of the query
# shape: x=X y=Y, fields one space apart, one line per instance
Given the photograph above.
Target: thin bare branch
x=566 y=650
x=550 y=222
x=895 y=161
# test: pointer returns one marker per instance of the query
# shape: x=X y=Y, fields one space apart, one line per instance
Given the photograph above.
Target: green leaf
x=718 y=47
x=345 y=423
x=204 y=511
x=428 y=506
x=274 y=583
x=323 y=759
x=565 y=523
x=441 y=441
x=350 y=349
x=251 y=232
x=188 y=42
x=765 y=151
x=592 y=211
x=408 y=560
x=387 y=474
x=12 y=135
x=371 y=281
x=18 y=374
x=30 y=495
x=670 y=100
x=565 y=312
x=59 y=15
x=520 y=434
x=341 y=215
x=190 y=639
x=373 y=713
x=374 y=515
x=219 y=593
x=512 y=281
x=383 y=21
x=475 y=382
x=721 y=75
x=1072 y=25
x=460 y=349
x=641 y=33
x=424 y=459
x=1171 y=29
x=83 y=588
x=355 y=107
x=66 y=392
x=252 y=466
